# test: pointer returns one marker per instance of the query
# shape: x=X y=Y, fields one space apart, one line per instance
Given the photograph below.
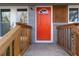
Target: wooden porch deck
x=45 y=50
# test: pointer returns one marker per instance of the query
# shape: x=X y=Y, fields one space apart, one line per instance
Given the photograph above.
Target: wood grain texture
x=65 y=39
x=60 y=13
x=21 y=43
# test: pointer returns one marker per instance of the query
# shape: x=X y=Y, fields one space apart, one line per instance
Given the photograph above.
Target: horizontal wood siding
x=60 y=13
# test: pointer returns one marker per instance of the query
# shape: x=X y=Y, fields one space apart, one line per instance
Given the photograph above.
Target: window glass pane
x=43 y=11
x=5 y=21
x=22 y=15
x=73 y=15
x=5 y=15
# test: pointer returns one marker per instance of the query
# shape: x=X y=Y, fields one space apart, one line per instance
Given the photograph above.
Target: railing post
x=17 y=44
x=75 y=37
x=57 y=35
x=64 y=37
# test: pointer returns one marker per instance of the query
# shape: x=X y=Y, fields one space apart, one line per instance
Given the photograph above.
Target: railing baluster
x=58 y=36
x=74 y=52
x=4 y=52
x=25 y=37
x=71 y=37
x=11 y=49
x=0 y=51
x=64 y=37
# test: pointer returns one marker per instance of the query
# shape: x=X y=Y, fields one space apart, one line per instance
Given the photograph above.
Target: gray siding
x=32 y=21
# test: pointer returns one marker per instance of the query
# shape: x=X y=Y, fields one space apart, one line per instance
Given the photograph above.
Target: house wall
x=31 y=18
x=13 y=13
x=56 y=20
x=60 y=17
x=32 y=21
x=13 y=18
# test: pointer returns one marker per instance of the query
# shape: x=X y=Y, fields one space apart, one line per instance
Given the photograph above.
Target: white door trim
x=44 y=41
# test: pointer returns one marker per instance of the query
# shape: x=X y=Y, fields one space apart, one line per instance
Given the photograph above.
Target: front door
x=43 y=23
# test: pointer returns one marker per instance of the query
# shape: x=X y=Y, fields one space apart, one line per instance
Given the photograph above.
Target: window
x=22 y=15
x=5 y=15
x=5 y=21
x=73 y=15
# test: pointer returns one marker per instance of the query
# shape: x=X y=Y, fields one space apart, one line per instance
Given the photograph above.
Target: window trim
x=21 y=10
x=4 y=10
x=72 y=6
x=77 y=14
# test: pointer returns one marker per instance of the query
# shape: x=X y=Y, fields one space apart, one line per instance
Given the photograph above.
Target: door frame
x=44 y=41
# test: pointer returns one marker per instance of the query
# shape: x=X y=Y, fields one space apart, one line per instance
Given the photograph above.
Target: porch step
x=45 y=50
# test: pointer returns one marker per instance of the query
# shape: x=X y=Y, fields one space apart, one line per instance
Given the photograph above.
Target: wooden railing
x=16 y=41
x=68 y=38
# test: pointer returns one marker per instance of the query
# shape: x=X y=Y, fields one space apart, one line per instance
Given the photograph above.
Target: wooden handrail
x=67 y=36
x=7 y=36
x=16 y=41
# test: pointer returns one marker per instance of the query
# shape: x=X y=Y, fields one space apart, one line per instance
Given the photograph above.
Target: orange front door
x=43 y=25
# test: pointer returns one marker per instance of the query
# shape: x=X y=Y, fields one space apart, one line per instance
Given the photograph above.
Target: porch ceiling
x=34 y=4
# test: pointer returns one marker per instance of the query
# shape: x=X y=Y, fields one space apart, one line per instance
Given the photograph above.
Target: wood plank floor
x=45 y=50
